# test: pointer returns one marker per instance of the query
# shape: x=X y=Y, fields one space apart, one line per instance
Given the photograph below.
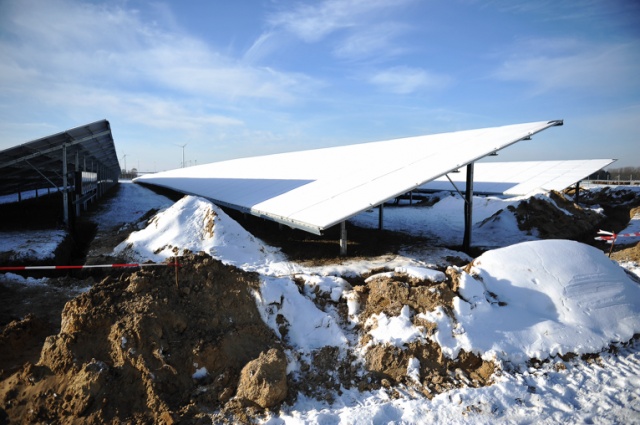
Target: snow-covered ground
x=529 y=299
x=534 y=299
x=444 y=221
x=128 y=205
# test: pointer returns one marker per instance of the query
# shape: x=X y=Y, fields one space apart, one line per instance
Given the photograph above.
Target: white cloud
x=371 y=41
x=87 y=44
x=549 y=64
x=313 y=22
x=405 y=80
x=67 y=62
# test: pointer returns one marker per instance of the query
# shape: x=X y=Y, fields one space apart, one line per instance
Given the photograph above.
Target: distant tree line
x=622 y=173
x=129 y=174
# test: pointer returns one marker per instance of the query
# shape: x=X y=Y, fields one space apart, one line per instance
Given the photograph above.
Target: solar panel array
x=38 y=163
x=522 y=177
x=316 y=189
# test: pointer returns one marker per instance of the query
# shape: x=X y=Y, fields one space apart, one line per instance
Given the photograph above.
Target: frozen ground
x=533 y=299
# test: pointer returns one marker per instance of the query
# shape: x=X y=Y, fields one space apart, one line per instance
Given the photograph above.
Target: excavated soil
x=128 y=349
x=389 y=364
x=554 y=223
x=132 y=350
x=151 y=346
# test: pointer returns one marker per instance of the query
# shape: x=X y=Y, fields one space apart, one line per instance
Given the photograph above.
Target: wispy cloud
x=373 y=40
x=59 y=51
x=367 y=26
x=312 y=22
x=405 y=80
x=566 y=64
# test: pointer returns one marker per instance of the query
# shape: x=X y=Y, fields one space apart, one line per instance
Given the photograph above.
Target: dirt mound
x=263 y=381
x=390 y=365
x=19 y=340
x=610 y=196
x=564 y=220
x=141 y=349
x=626 y=253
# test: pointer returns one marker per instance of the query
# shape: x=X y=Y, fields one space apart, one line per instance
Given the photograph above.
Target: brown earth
x=553 y=223
x=127 y=350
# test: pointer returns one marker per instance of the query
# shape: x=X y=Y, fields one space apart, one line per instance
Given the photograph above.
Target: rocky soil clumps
x=145 y=347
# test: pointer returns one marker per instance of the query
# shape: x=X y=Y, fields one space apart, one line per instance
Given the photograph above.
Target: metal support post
x=65 y=187
x=381 y=216
x=468 y=210
x=577 y=197
x=343 y=238
x=75 y=186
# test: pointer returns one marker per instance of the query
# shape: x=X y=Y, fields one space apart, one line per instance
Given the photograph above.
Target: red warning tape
x=609 y=236
x=87 y=266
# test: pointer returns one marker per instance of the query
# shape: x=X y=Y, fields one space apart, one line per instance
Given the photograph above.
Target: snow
x=200 y=373
x=32 y=244
x=421 y=273
x=633 y=227
x=544 y=298
x=26 y=281
x=398 y=331
x=532 y=299
x=494 y=225
x=528 y=299
x=130 y=203
x=605 y=392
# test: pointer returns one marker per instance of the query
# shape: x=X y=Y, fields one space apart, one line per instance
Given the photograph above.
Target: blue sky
x=242 y=78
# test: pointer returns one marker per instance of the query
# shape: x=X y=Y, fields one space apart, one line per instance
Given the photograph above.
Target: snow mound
x=195 y=224
x=295 y=318
x=544 y=298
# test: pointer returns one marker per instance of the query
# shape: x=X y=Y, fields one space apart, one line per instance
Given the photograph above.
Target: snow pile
x=31 y=244
x=195 y=224
x=397 y=331
x=543 y=298
x=282 y=306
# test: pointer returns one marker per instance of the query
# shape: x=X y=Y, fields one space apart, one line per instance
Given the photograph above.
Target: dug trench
x=29 y=313
x=139 y=348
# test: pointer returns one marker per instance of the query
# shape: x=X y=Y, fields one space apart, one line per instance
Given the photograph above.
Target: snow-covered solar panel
x=316 y=189
x=522 y=177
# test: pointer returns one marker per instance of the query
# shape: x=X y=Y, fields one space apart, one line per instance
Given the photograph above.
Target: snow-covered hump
x=543 y=298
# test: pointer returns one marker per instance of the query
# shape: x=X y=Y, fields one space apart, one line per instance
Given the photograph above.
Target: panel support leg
x=65 y=187
x=468 y=210
x=577 y=197
x=76 y=189
x=381 y=216
x=343 y=238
